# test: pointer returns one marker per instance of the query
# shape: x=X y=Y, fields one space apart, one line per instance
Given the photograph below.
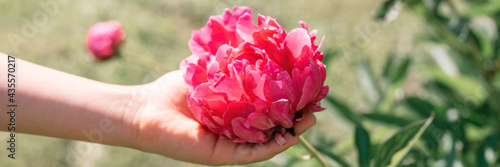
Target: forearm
x=57 y=104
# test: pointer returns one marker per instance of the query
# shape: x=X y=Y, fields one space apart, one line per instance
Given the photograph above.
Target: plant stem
x=315 y=153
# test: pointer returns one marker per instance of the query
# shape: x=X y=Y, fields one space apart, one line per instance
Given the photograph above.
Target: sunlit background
x=381 y=73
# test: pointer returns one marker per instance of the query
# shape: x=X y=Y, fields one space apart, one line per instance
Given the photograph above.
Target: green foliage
x=363 y=145
x=345 y=110
x=420 y=106
x=388 y=119
x=392 y=152
x=484 y=157
x=455 y=65
x=367 y=82
x=338 y=159
x=400 y=72
x=387 y=7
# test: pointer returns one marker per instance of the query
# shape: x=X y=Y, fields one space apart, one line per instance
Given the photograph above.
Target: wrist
x=132 y=104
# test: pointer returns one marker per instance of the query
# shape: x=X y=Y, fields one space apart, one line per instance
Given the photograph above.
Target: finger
x=261 y=152
x=250 y=153
x=307 y=121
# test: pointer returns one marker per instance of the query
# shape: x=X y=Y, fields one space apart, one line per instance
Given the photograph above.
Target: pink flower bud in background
x=252 y=83
x=104 y=39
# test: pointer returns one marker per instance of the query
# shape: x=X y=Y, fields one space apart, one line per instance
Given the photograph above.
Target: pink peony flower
x=252 y=83
x=104 y=39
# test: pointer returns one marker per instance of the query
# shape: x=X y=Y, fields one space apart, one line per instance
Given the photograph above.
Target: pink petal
x=260 y=120
x=220 y=36
x=260 y=104
x=222 y=57
x=205 y=96
x=280 y=111
x=261 y=20
x=228 y=86
x=313 y=108
x=203 y=116
x=276 y=90
x=218 y=120
x=304 y=25
x=245 y=28
x=238 y=109
x=312 y=86
x=194 y=76
x=227 y=18
x=304 y=59
x=253 y=85
x=297 y=40
x=261 y=38
x=248 y=134
x=210 y=125
x=212 y=69
x=199 y=42
x=322 y=69
x=241 y=10
x=322 y=93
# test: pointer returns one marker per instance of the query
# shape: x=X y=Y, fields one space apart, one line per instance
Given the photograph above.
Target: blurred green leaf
x=458 y=130
x=484 y=9
x=486 y=153
x=465 y=85
x=418 y=158
x=448 y=148
x=459 y=26
x=496 y=53
x=362 y=139
x=367 y=82
x=479 y=115
x=343 y=108
x=329 y=55
x=388 y=100
x=401 y=71
x=333 y=156
x=443 y=56
x=296 y=151
x=483 y=44
x=374 y=149
x=394 y=75
x=436 y=13
x=389 y=10
x=392 y=152
x=421 y=107
x=388 y=119
x=482 y=32
x=388 y=66
x=453 y=101
x=477 y=134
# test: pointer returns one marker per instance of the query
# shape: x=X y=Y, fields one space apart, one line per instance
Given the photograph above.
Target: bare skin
x=153 y=117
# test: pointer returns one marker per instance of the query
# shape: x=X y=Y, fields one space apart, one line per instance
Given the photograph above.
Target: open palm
x=166 y=126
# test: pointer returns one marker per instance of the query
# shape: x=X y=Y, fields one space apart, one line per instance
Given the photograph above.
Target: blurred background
x=389 y=64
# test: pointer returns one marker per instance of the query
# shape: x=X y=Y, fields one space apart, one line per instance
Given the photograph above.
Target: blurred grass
x=159 y=31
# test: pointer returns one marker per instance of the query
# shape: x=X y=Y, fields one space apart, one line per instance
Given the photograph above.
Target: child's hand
x=166 y=126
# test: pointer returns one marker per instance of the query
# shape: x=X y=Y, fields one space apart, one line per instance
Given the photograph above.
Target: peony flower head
x=252 y=83
x=104 y=39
